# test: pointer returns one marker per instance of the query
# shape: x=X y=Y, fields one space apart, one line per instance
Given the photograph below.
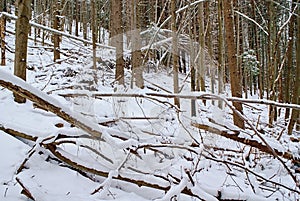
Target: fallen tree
x=130 y=148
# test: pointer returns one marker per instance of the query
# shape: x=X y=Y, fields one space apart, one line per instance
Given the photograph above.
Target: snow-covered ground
x=144 y=139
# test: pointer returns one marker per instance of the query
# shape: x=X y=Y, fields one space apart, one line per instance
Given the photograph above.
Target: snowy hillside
x=77 y=139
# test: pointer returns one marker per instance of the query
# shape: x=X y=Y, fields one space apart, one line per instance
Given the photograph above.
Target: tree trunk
x=201 y=67
x=221 y=65
x=22 y=31
x=94 y=37
x=175 y=51
x=296 y=93
x=137 y=68
x=117 y=38
x=2 y=31
x=271 y=59
x=76 y=13
x=192 y=59
x=84 y=20
x=289 y=61
x=57 y=26
x=210 y=48
x=235 y=76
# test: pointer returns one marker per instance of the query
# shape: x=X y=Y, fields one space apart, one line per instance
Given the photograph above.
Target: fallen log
x=52 y=147
x=192 y=96
x=253 y=143
x=48 y=103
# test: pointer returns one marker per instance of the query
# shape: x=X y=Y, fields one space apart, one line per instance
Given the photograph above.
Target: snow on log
x=253 y=143
x=48 y=103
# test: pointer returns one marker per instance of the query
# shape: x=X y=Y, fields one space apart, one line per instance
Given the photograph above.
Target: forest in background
x=230 y=51
x=254 y=43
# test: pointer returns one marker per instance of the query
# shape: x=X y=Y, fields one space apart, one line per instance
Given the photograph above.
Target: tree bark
x=201 y=36
x=175 y=51
x=22 y=31
x=137 y=68
x=94 y=37
x=57 y=26
x=2 y=31
x=76 y=13
x=235 y=76
x=289 y=60
x=296 y=93
x=84 y=20
x=209 y=47
x=221 y=63
x=117 y=38
x=192 y=60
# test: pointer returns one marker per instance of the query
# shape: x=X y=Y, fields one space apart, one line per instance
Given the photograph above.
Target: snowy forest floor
x=144 y=138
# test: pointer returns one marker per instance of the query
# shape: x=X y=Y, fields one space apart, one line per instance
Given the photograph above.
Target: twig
x=252 y=172
x=22 y=166
x=25 y=190
x=233 y=135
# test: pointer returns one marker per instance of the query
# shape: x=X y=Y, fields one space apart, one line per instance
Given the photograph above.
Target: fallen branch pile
x=133 y=168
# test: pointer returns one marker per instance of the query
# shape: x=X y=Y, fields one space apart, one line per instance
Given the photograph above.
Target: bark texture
x=22 y=31
x=235 y=76
x=117 y=38
x=175 y=52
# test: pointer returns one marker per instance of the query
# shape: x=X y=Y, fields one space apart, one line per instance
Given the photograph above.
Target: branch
x=192 y=95
x=253 y=143
x=53 y=149
x=46 y=102
x=79 y=167
x=25 y=190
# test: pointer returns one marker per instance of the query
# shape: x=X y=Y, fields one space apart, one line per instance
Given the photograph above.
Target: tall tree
x=192 y=60
x=94 y=30
x=221 y=65
x=77 y=7
x=296 y=93
x=272 y=66
x=56 y=25
x=235 y=76
x=117 y=38
x=2 y=31
x=201 y=67
x=22 y=31
x=289 y=59
x=175 y=51
x=209 y=47
x=84 y=19
x=137 y=68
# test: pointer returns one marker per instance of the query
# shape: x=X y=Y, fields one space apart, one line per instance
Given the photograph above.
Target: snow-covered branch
x=192 y=95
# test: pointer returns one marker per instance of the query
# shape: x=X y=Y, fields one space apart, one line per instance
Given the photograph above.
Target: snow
x=159 y=147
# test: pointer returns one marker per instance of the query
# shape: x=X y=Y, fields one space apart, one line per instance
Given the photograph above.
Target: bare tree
x=175 y=51
x=289 y=60
x=201 y=67
x=93 y=27
x=221 y=64
x=296 y=94
x=137 y=68
x=22 y=31
x=235 y=76
x=2 y=31
x=57 y=26
x=117 y=38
